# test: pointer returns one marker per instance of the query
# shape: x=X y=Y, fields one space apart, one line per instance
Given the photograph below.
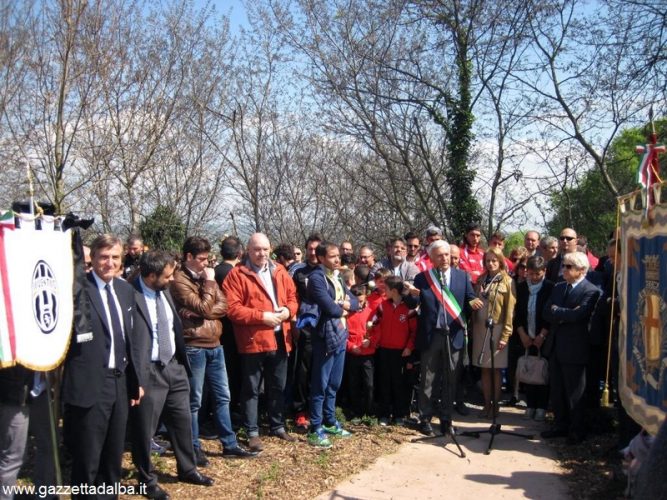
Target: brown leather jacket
x=200 y=304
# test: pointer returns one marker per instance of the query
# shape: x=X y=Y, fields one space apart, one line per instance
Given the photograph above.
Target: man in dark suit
x=100 y=373
x=568 y=311
x=158 y=349
x=446 y=298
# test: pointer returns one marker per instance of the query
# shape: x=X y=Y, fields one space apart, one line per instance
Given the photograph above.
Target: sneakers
x=156 y=448
x=529 y=413
x=540 y=415
x=301 y=421
x=319 y=439
x=336 y=430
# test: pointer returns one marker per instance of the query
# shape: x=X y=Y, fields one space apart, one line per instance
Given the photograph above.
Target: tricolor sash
x=445 y=296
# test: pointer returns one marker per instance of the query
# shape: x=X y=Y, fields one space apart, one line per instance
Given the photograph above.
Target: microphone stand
x=495 y=428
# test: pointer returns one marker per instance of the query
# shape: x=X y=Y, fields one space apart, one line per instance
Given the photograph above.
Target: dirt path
x=515 y=468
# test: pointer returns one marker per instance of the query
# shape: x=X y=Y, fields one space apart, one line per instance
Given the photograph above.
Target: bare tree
x=580 y=78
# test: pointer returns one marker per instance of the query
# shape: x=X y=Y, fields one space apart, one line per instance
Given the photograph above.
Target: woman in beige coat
x=496 y=289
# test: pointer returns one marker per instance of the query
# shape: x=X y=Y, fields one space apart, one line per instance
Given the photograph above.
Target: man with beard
x=396 y=262
x=159 y=351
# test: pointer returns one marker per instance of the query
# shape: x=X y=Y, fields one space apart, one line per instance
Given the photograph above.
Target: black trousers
x=567 y=386
x=95 y=436
x=537 y=396
x=168 y=394
x=360 y=373
x=302 y=371
x=393 y=387
x=272 y=366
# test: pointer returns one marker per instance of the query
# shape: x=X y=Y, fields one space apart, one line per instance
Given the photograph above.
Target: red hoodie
x=396 y=326
x=356 y=326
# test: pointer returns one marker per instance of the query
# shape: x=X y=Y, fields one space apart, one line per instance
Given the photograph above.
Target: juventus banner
x=642 y=332
x=36 y=305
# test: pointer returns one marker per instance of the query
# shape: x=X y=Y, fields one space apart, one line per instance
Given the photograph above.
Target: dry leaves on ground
x=283 y=470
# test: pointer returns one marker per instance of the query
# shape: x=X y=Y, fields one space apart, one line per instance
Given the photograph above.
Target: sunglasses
x=566 y=238
x=569 y=266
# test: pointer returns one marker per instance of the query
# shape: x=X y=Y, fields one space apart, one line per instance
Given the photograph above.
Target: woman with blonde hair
x=496 y=290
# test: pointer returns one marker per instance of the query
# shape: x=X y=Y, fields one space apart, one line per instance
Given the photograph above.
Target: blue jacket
x=330 y=326
x=430 y=307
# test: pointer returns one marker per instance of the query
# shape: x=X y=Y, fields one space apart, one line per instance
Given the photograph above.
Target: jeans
x=327 y=374
x=209 y=364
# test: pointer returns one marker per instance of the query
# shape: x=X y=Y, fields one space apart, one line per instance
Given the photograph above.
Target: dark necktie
x=568 y=289
x=116 y=330
x=163 y=334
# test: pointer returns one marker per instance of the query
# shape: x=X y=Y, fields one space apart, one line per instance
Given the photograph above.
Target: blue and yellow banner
x=643 y=328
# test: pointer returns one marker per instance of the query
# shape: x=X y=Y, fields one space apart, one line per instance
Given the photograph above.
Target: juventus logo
x=44 y=297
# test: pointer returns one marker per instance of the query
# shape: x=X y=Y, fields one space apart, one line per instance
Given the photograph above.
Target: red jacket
x=356 y=326
x=396 y=326
x=472 y=262
x=247 y=300
x=374 y=299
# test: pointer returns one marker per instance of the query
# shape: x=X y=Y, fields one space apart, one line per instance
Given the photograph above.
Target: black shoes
x=196 y=478
x=154 y=491
x=446 y=427
x=425 y=428
x=200 y=458
x=282 y=434
x=554 y=433
x=462 y=409
x=238 y=452
x=575 y=438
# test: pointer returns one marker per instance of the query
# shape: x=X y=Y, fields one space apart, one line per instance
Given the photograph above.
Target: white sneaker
x=540 y=414
x=529 y=413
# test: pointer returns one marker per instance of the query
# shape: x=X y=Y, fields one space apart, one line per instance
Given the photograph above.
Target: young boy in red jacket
x=394 y=336
x=359 y=362
x=376 y=297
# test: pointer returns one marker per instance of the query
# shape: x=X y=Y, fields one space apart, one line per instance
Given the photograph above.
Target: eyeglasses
x=569 y=266
x=566 y=238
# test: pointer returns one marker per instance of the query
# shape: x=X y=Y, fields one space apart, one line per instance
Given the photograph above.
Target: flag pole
x=604 y=401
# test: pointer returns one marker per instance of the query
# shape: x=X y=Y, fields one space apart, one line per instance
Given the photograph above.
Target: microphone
x=497 y=277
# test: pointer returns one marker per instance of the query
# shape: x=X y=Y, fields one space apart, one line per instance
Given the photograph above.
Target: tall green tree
x=588 y=207
x=163 y=230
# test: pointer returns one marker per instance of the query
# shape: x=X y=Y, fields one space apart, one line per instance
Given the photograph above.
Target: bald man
x=261 y=298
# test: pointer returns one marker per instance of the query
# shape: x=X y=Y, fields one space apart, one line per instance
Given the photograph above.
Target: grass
x=266 y=477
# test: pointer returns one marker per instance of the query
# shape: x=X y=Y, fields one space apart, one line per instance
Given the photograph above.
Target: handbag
x=533 y=370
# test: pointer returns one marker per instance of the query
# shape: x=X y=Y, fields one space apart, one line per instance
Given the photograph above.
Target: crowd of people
x=187 y=347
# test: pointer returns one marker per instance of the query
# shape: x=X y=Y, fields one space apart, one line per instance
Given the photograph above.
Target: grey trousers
x=167 y=394
x=442 y=362
x=13 y=437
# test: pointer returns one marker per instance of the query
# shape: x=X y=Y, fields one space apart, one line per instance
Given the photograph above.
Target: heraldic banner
x=36 y=305
x=642 y=332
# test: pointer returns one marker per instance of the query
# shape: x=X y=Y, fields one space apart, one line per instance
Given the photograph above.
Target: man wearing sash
x=446 y=297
